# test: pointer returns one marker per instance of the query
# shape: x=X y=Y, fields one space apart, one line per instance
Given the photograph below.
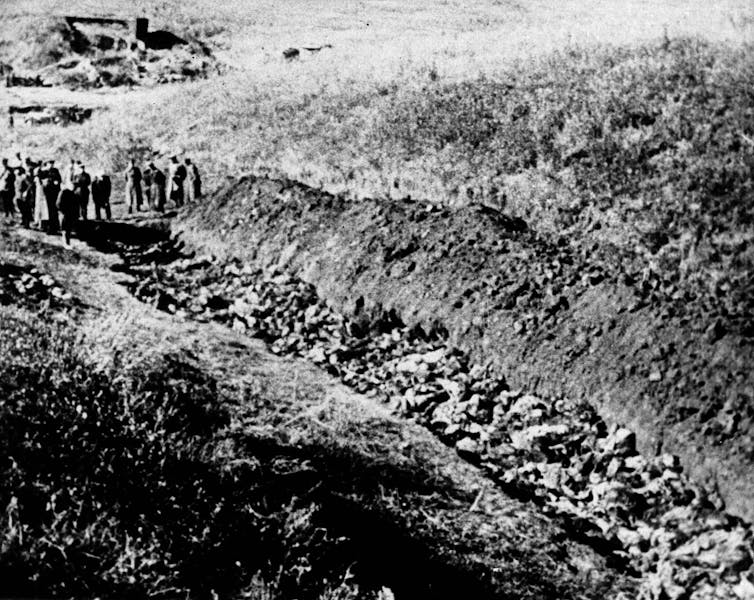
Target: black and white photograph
x=377 y=300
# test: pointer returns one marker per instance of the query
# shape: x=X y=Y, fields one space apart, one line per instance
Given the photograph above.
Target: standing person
x=69 y=173
x=176 y=176
x=146 y=180
x=41 y=213
x=133 y=186
x=193 y=182
x=81 y=182
x=51 y=184
x=101 y=188
x=7 y=189
x=158 y=187
x=69 y=208
x=24 y=196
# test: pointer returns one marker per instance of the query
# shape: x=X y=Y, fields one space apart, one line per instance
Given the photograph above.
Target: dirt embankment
x=341 y=490
x=556 y=318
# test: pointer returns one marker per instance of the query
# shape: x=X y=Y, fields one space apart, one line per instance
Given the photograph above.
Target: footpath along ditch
x=642 y=512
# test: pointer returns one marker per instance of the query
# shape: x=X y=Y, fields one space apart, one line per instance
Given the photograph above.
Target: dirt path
x=447 y=530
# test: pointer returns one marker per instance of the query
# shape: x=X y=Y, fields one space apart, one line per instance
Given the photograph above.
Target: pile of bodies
x=52 y=202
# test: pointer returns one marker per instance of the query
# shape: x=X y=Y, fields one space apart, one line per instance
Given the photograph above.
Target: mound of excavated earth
x=554 y=318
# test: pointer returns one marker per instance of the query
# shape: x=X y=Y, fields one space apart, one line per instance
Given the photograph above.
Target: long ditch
x=642 y=513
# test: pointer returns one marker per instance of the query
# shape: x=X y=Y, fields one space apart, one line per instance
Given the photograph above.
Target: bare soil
x=554 y=318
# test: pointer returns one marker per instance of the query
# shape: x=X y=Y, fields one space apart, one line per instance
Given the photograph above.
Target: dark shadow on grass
x=141 y=241
x=105 y=236
x=380 y=542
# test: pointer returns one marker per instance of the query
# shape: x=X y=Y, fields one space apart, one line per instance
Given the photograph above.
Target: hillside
x=616 y=265
x=473 y=284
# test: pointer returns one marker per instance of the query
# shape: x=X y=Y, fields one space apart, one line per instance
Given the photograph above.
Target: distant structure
x=71 y=20
x=139 y=28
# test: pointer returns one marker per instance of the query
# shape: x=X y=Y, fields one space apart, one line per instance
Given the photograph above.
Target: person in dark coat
x=146 y=186
x=81 y=182
x=176 y=177
x=157 y=189
x=51 y=179
x=101 y=188
x=133 y=187
x=69 y=209
x=7 y=189
x=24 y=196
x=193 y=182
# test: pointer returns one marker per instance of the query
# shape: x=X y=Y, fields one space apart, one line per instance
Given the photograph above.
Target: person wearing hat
x=7 y=189
x=176 y=177
x=41 y=212
x=24 y=196
x=69 y=208
x=80 y=183
x=69 y=173
x=133 y=186
x=146 y=181
x=101 y=188
x=51 y=185
x=193 y=182
x=157 y=188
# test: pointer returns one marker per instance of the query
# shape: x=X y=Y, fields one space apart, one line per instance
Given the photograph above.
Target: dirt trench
x=642 y=514
x=556 y=318
x=374 y=495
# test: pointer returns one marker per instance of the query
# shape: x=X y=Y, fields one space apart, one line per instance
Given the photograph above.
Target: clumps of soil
x=644 y=513
x=28 y=287
x=556 y=315
x=74 y=55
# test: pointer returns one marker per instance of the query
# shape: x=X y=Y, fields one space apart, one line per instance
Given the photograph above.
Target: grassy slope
x=350 y=118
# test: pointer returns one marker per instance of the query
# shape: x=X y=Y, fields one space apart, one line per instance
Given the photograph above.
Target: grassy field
x=312 y=118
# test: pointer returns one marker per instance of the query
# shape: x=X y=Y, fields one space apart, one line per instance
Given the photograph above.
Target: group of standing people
x=48 y=200
x=53 y=202
x=152 y=186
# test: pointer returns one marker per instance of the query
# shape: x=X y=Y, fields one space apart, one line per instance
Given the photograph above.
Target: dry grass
x=239 y=122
